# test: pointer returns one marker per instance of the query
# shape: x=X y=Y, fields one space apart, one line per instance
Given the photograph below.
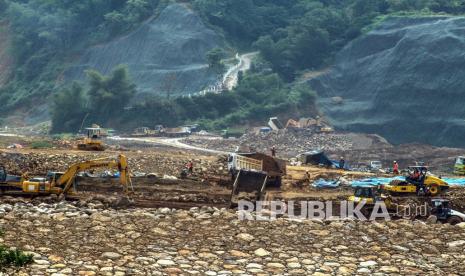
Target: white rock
x=456 y=243
x=245 y=237
x=165 y=262
x=262 y=252
x=111 y=255
x=368 y=263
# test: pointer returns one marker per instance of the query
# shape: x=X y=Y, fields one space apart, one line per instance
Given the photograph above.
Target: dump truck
x=459 y=167
x=253 y=172
x=275 y=123
x=275 y=168
x=177 y=132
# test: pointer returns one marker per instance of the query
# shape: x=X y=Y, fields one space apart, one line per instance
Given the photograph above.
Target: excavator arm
x=121 y=164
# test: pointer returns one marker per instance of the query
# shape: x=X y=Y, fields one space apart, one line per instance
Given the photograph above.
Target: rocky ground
x=357 y=149
x=89 y=240
x=148 y=160
x=288 y=142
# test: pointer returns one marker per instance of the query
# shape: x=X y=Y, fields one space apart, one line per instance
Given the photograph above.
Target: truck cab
x=459 y=167
x=375 y=165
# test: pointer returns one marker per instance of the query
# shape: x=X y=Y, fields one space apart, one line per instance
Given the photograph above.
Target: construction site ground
x=179 y=226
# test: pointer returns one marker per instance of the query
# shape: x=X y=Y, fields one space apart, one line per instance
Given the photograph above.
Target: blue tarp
x=321 y=183
x=384 y=180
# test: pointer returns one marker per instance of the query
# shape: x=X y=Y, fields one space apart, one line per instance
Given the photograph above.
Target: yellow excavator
x=62 y=182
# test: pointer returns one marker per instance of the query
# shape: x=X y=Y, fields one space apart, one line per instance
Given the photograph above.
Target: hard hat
x=395 y=161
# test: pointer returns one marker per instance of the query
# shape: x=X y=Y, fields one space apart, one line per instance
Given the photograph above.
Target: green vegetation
x=43 y=144
x=296 y=35
x=46 y=34
x=214 y=57
x=257 y=97
x=14 y=257
x=103 y=103
x=293 y=36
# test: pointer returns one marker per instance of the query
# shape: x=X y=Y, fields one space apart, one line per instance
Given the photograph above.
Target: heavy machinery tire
x=434 y=190
x=453 y=220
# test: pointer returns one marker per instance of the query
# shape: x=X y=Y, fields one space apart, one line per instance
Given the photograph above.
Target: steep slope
x=404 y=80
x=165 y=54
x=5 y=58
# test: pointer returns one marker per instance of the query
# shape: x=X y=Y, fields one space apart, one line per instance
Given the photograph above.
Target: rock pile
x=39 y=163
x=289 y=143
x=66 y=239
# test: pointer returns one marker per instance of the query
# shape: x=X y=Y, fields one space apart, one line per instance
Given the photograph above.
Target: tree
x=109 y=95
x=214 y=57
x=68 y=109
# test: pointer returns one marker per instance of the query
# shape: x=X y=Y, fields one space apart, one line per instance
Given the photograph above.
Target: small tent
x=315 y=157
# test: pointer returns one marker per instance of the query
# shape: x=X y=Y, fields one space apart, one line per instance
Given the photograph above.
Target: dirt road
x=171 y=142
x=230 y=78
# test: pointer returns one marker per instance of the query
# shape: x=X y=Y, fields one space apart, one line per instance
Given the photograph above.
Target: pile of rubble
x=289 y=143
x=160 y=163
x=66 y=239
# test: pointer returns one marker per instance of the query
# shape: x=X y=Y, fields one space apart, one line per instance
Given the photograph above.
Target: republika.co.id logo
x=270 y=210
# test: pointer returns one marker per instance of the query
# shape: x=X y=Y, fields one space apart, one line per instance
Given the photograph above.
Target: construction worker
x=190 y=166
x=307 y=177
x=342 y=162
x=273 y=151
x=395 y=168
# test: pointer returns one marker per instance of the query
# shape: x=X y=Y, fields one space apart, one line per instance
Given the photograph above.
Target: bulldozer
x=61 y=183
x=423 y=183
x=93 y=140
x=370 y=195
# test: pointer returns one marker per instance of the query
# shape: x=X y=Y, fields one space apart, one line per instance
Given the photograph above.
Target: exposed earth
x=396 y=81
x=177 y=226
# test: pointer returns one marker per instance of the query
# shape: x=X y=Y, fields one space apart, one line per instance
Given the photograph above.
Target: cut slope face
x=166 y=54
x=404 y=80
x=5 y=57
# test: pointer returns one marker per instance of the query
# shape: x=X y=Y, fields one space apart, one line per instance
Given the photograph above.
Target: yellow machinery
x=459 y=167
x=370 y=195
x=93 y=140
x=62 y=183
x=425 y=183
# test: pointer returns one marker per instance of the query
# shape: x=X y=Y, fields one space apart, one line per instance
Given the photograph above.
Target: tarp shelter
x=316 y=157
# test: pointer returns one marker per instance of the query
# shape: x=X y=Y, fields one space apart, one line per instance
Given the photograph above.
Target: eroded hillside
x=5 y=57
x=166 y=54
x=403 y=80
